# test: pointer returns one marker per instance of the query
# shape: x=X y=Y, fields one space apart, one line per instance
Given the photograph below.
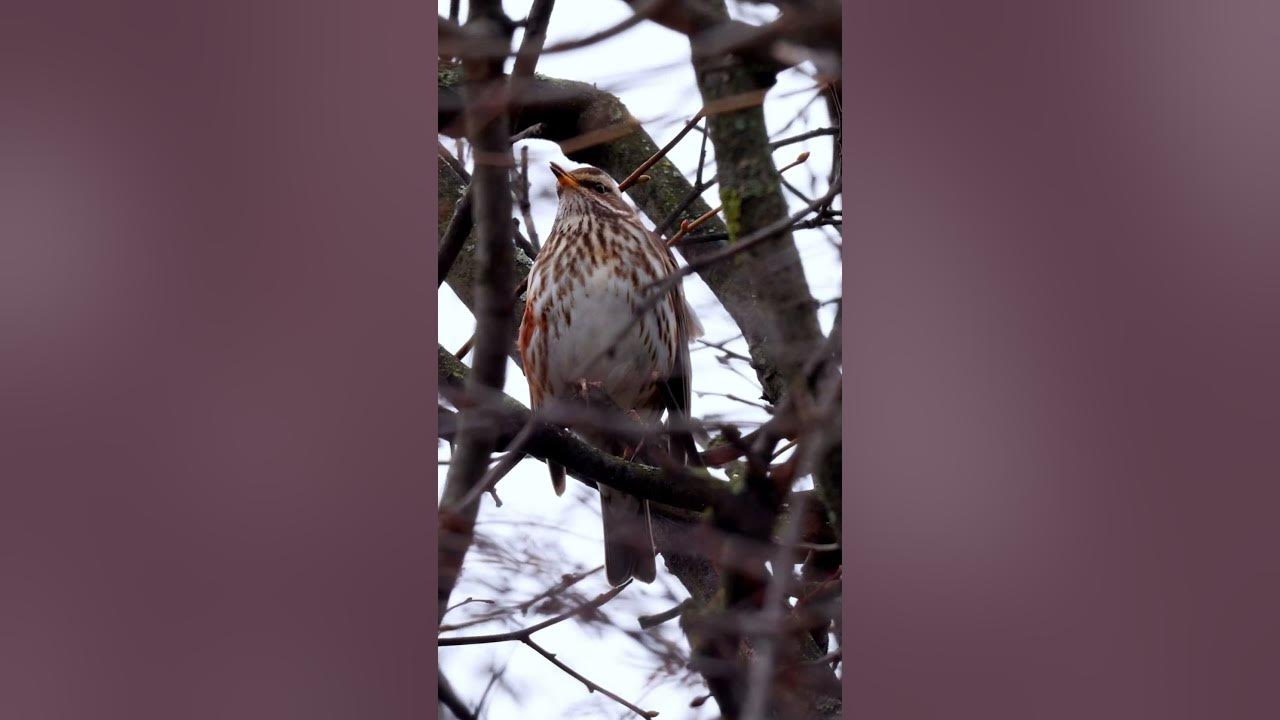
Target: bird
x=589 y=279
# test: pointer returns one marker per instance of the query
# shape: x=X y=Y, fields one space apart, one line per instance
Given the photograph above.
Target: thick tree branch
x=465 y=270
x=689 y=491
x=750 y=191
x=454 y=236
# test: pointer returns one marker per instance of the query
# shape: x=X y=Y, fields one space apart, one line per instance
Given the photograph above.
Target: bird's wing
x=677 y=389
x=535 y=373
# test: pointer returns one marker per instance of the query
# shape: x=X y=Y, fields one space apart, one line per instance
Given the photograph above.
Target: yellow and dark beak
x=563 y=177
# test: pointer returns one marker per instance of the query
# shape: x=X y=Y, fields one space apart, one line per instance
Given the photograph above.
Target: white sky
x=648 y=68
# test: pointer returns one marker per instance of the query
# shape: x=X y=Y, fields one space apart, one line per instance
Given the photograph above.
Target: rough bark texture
x=464 y=273
x=751 y=193
x=583 y=461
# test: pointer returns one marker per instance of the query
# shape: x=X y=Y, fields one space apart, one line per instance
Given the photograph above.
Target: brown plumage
x=589 y=279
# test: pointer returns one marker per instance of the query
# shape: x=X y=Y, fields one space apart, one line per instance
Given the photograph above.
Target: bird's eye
x=598 y=187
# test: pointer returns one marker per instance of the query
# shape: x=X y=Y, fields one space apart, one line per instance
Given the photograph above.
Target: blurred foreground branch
x=491 y=201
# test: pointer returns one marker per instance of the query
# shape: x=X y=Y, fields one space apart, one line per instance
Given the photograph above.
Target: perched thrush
x=589 y=280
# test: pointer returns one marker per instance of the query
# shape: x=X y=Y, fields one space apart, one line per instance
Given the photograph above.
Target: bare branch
x=688 y=490
x=565 y=583
x=820 y=132
x=526 y=632
x=456 y=44
x=468 y=601
x=525 y=636
x=489 y=192
x=454 y=237
x=522 y=199
x=591 y=686
x=453 y=162
x=535 y=34
x=631 y=179
x=451 y=700
x=652 y=621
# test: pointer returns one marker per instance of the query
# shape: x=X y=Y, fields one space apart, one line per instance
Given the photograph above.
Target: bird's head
x=588 y=188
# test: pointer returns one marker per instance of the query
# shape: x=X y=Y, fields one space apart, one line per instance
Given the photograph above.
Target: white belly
x=577 y=349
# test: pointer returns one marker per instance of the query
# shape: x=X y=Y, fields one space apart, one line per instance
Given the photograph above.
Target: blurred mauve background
x=215 y=336
x=217 y=360
x=1064 y=331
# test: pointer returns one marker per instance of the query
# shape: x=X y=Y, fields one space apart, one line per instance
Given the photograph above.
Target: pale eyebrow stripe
x=591 y=175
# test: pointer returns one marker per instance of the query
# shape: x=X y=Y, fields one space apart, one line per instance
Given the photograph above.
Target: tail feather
x=557 y=477
x=628 y=538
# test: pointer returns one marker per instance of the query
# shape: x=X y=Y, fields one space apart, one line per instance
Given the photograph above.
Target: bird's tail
x=628 y=537
x=557 y=477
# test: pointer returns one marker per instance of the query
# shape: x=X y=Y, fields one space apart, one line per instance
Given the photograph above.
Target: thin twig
x=533 y=131
x=565 y=583
x=640 y=15
x=687 y=226
x=522 y=199
x=802 y=225
x=591 y=686
x=652 y=621
x=525 y=246
x=698 y=187
x=451 y=700
x=526 y=632
x=775 y=144
x=468 y=601
x=721 y=347
x=514 y=455
x=489 y=686
x=453 y=162
x=630 y=180
x=694 y=194
x=832 y=657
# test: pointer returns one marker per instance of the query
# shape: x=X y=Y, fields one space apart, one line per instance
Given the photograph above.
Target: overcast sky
x=648 y=68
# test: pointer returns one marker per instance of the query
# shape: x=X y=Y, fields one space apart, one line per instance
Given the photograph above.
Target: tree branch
x=591 y=686
x=526 y=632
x=466 y=271
x=491 y=197
x=451 y=700
x=690 y=491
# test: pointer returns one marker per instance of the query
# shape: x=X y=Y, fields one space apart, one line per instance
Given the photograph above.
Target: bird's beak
x=563 y=176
